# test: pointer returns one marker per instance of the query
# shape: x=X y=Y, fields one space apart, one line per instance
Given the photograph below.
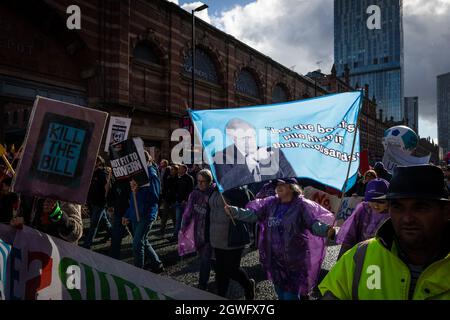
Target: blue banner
x=307 y=139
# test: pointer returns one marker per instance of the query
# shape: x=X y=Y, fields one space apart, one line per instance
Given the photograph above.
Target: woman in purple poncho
x=292 y=244
x=367 y=217
x=196 y=216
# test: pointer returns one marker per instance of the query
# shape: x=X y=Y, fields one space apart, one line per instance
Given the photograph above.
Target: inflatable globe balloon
x=401 y=137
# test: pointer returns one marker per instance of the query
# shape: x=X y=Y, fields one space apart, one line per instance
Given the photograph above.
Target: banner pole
x=10 y=168
x=135 y=206
x=3 y=155
x=344 y=189
x=229 y=215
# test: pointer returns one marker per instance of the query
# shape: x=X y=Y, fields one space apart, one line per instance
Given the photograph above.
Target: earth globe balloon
x=401 y=137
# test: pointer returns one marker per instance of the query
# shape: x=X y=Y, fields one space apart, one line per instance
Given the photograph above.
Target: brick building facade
x=130 y=58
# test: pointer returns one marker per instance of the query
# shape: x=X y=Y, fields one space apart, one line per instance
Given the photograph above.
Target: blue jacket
x=147 y=198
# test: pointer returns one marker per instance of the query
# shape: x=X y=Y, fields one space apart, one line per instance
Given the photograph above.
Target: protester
x=142 y=215
x=8 y=201
x=163 y=171
x=169 y=198
x=362 y=183
x=56 y=218
x=193 y=172
x=382 y=172
x=197 y=212
x=96 y=202
x=118 y=203
x=349 y=191
x=184 y=186
x=163 y=168
x=367 y=217
x=409 y=256
x=228 y=253
x=291 y=227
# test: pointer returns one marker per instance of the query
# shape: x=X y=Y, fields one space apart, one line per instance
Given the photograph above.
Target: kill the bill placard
x=61 y=147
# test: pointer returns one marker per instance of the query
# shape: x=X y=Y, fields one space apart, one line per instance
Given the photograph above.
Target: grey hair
x=205 y=173
x=237 y=123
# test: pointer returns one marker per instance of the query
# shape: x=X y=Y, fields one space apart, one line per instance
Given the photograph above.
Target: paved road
x=186 y=269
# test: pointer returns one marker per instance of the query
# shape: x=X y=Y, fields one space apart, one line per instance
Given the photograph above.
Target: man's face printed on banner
x=243 y=136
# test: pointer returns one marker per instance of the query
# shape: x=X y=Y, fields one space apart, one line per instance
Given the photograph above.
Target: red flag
x=363 y=161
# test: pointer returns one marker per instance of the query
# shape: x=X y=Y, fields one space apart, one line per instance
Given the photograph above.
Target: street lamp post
x=202 y=7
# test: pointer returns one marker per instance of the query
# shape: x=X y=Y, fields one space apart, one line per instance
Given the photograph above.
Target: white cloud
x=174 y=1
x=426 y=27
x=292 y=32
x=427 y=128
x=202 y=14
x=430 y=7
x=300 y=33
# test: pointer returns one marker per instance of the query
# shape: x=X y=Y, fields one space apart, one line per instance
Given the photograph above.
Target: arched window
x=279 y=94
x=246 y=84
x=204 y=66
x=143 y=52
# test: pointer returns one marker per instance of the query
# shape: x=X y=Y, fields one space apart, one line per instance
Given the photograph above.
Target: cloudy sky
x=300 y=33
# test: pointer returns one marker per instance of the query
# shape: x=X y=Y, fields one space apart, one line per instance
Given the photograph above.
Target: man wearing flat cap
x=409 y=258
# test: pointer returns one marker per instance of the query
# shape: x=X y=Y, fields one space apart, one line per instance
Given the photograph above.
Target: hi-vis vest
x=369 y=271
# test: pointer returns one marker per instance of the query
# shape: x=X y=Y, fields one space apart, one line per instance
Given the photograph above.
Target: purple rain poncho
x=361 y=225
x=192 y=234
x=290 y=253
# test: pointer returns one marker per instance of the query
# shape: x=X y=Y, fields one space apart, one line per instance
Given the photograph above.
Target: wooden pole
x=10 y=168
x=3 y=155
x=136 y=206
x=229 y=215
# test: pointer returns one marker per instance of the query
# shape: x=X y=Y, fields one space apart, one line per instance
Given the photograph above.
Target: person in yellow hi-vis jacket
x=409 y=258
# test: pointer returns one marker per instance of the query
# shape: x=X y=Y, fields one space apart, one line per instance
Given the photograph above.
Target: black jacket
x=185 y=185
x=119 y=195
x=97 y=190
x=236 y=173
x=165 y=176
x=170 y=189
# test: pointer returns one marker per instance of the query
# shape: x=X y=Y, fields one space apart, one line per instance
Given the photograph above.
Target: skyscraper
x=373 y=53
x=443 y=111
x=411 y=112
